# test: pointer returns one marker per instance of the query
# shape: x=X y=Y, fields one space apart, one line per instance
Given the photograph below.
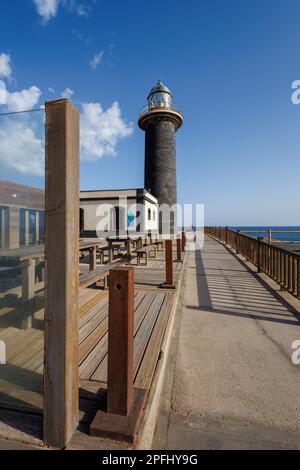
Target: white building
x=117 y=212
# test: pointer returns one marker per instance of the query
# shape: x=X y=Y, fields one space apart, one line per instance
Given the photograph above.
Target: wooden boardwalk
x=21 y=381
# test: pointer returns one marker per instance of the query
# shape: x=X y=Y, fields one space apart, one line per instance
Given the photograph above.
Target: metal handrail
x=147 y=109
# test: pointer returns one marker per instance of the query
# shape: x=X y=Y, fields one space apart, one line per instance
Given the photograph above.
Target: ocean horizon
x=262 y=231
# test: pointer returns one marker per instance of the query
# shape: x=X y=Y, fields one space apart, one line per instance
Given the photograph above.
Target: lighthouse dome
x=160 y=96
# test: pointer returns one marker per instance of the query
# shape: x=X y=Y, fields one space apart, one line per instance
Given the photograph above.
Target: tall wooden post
x=125 y=404
x=258 y=245
x=120 y=341
x=183 y=241
x=169 y=264
x=226 y=235
x=62 y=273
x=178 y=246
x=237 y=241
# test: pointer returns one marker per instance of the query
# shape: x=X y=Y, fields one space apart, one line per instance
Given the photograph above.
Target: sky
x=229 y=64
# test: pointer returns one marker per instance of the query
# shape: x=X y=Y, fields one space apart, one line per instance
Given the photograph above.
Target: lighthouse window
x=149 y=214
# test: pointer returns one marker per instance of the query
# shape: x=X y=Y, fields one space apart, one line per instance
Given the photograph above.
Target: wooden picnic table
x=127 y=240
x=25 y=258
x=92 y=248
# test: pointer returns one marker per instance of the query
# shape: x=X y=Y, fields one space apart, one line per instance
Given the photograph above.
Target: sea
x=263 y=232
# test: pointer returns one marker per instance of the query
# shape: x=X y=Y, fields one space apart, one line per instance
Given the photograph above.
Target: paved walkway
x=230 y=382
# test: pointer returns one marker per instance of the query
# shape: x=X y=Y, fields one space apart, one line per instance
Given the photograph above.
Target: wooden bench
x=143 y=253
x=100 y=273
x=159 y=244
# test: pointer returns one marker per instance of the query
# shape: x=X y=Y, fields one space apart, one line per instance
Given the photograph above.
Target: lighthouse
x=160 y=120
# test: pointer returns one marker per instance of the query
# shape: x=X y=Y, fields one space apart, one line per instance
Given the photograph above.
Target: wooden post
x=120 y=341
x=237 y=241
x=270 y=235
x=259 y=239
x=169 y=264
x=28 y=291
x=183 y=241
x=93 y=258
x=125 y=404
x=28 y=279
x=110 y=251
x=128 y=248
x=178 y=246
x=62 y=273
x=226 y=235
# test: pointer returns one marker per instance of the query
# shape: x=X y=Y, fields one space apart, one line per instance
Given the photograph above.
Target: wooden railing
x=282 y=265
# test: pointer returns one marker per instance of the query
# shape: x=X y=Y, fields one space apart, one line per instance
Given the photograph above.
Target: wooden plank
x=93 y=311
x=144 y=374
x=88 y=298
x=91 y=340
x=91 y=277
x=94 y=321
x=61 y=303
x=141 y=309
x=146 y=328
x=89 y=365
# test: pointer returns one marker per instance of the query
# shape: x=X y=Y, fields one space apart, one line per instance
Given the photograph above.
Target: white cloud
x=5 y=66
x=2 y=92
x=95 y=61
x=101 y=130
x=51 y=90
x=80 y=7
x=19 y=100
x=47 y=9
x=21 y=150
x=67 y=93
x=23 y=100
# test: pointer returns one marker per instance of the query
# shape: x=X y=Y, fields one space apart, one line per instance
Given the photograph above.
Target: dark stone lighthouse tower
x=160 y=121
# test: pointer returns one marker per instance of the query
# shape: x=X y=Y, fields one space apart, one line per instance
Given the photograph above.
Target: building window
x=32 y=227
x=4 y=222
x=130 y=219
x=149 y=214
x=41 y=237
x=154 y=215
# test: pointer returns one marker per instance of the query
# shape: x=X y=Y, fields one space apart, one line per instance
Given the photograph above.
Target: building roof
x=21 y=195
x=116 y=193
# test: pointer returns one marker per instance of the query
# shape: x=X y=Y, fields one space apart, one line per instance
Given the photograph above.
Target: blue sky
x=230 y=65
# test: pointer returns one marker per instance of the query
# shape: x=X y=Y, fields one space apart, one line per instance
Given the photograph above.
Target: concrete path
x=231 y=383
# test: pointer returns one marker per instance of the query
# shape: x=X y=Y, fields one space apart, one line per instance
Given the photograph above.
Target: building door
x=119 y=221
